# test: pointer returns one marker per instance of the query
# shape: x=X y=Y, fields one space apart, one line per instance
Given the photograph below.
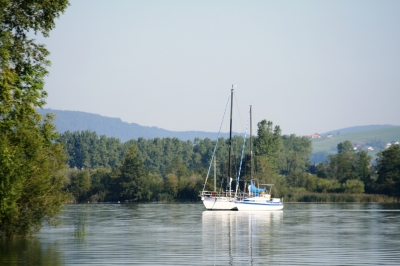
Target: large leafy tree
x=343 y=164
x=79 y=185
x=131 y=177
x=364 y=172
x=294 y=155
x=268 y=143
x=389 y=171
x=30 y=159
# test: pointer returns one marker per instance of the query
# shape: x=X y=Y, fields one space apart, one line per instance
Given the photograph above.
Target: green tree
x=177 y=167
x=343 y=166
x=321 y=185
x=30 y=159
x=189 y=187
x=99 y=184
x=171 y=184
x=295 y=154
x=389 y=171
x=345 y=147
x=132 y=177
x=353 y=186
x=31 y=180
x=363 y=170
x=156 y=185
x=86 y=150
x=79 y=185
x=268 y=142
x=267 y=145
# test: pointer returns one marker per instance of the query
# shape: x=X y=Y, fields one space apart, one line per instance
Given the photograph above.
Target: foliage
x=99 y=184
x=338 y=197
x=31 y=180
x=268 y=142
x=342 y=165
x=79 y=184
x=353 y=186
x=175 y=169
x=156 y=185
x=321 y=185
x=318 y=157
x=171 y=184
x=389 y=171
x=294 y=155
x=348 y=164
x=131 y=178
x=86 y=149
x=31 y=162
x=377 y=136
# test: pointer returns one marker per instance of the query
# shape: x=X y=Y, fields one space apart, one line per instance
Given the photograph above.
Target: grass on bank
x=340 y=198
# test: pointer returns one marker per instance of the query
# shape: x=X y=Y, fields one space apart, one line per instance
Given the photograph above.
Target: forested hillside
x=115 y=127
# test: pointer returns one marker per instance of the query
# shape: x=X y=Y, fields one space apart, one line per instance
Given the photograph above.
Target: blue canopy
x=255 y=190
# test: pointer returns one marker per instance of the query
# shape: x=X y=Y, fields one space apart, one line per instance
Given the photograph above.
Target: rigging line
x=215 y=147
x=238 y=111
x=241 y=159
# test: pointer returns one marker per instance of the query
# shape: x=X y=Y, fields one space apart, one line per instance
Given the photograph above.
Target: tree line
x=105 y=169
x=174 y=169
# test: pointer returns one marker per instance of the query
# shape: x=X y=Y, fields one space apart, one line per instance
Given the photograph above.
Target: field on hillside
x=385 y=135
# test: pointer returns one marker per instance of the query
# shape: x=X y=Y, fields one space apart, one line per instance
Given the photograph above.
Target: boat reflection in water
x=240 y=237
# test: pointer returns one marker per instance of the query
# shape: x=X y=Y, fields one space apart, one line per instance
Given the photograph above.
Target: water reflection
x=80 y=222
x=185 y=234
x=240 y=237
x=28 y=252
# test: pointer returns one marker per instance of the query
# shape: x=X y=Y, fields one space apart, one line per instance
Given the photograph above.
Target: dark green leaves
x=31 y=161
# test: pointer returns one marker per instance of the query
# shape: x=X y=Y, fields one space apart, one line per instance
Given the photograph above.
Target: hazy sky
x=308 y=66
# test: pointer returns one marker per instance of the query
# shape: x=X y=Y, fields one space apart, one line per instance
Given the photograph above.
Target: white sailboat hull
x=252 y=204
x=219 y=203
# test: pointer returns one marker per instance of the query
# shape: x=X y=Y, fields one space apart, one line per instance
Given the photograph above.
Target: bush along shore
x=341 y=198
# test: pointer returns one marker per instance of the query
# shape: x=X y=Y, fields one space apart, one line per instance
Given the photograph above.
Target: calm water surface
x=186 y=234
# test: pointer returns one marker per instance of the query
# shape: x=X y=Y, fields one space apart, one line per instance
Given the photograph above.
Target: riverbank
x=340 y=198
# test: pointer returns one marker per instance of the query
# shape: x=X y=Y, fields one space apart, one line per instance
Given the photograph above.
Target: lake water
x=186 y=234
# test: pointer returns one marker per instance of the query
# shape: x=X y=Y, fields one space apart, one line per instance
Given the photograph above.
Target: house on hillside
x=315 y=136
x=329 y=135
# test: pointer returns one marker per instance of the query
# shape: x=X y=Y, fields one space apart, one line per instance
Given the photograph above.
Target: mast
x=251 y=147
x=230 y=145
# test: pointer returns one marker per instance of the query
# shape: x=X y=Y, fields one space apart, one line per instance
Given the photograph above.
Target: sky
x=307 y=66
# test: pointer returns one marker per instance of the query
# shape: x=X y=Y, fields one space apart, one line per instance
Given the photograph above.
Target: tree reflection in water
x=23 y=251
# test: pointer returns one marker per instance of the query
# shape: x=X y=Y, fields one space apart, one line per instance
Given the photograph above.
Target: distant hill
x=376 y=140
x=373 y=135
x=115 y=127
x=356 y=129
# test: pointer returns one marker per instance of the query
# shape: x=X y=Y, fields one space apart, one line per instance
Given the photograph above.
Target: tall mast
x=251 y=147
x=230 y=145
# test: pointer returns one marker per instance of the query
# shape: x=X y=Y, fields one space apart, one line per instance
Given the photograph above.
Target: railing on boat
x=215 y=194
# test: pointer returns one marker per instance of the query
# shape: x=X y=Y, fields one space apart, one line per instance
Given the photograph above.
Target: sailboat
x=259 y=198
x=214 y=200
